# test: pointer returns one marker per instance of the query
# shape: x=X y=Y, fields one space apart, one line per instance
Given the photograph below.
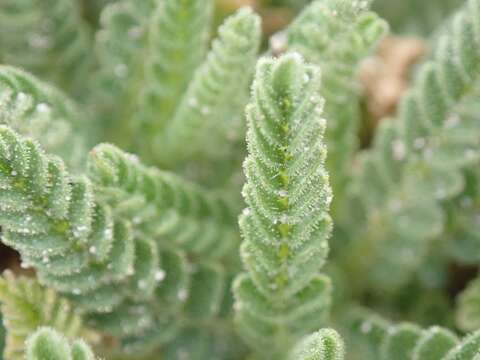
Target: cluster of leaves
x=141 y=255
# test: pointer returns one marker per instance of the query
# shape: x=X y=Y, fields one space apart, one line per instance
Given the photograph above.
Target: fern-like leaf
x=48 y=344
x=213 y=102
x=286 y=225
x=417 y=162
x=48 y=38
x=40 y=111
x=185 y=219
x=179 y=34
x=25 y=306
x=325 y=344
x=408 y=341
x=58 y=227
x=150 y=72
x=163 y=205
x=356 y=31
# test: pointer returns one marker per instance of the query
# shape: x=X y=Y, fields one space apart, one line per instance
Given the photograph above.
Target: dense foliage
x=124 y=125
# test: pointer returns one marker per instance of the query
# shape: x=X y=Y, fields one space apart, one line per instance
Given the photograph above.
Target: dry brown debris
x=385 y=76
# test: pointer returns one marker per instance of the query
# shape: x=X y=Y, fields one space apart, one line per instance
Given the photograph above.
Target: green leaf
x=325 y=344
x=286 y=224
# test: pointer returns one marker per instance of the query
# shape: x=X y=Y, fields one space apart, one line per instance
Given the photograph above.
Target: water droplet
x=452 y=121
x=121 y=70
x=419 y=143
x=440 y=193
x=278 y=43
x=470 y=154
x=182 y=295
x=160 y=275
x=135 y=32
x=366 y=327
x=130 y=270
x=38 y=41
x=193 y=102
x=282 y=193
x=399 y=150
x=43 y=108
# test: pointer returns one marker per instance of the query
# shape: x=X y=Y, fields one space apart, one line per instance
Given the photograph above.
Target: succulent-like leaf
x=428 y=141
x=213 y=101
x=25 y=306
x=409 y=342
x=48 y=38
x=163 y=205
x=40 y=111
x=59 y=228
x=286 y=224
x=172 y=37
x=325 y=344
x=355 y=31
x=48 y=344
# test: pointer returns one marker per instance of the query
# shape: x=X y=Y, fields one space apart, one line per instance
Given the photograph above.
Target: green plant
x=46 y=343
x=146 y=256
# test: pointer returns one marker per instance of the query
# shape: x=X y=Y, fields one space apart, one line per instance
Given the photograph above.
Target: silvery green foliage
x=108 y=263
x=25 y=306
x=417 y=161
x=356 y=31
x=325 y=344
x=463 y=228
x=211 y=106
x=172 y=37
x=48 y=344
x=407 y=341
x=40 y=111
x=147 y=259
x=185 y=221
x=164 y=206
x=48 y=38
x=53 y=220
x=286 y=224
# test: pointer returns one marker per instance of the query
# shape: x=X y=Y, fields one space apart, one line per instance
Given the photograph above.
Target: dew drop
x=366 y=327
x=182 y=295
x=419 y=143
x=21 y=96
x=142 y=284
x=121 y=70
x=399 y=150
x=43 y=108
x=135 y=32
x=193 y=102
x=160 y=275
x=282 y=193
